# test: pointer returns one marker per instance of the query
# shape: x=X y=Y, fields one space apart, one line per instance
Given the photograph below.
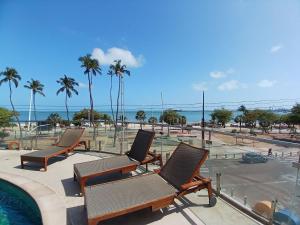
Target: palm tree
x=170 y=117
x=110 y=73
x=240 y=118
x=37 y=88
x=11 y=75
x=106 y=119
x=140 y=116
x=54 y=119
x=119 y=70
x=92 y=67
x=68 y=85
x=152 y=120
x=182 y=121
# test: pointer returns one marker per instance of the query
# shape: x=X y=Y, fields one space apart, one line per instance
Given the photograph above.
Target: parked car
x=253 y=157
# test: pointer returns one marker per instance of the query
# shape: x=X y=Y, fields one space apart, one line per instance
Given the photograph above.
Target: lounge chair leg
x=82 y=185
x=74 y=177
x=211 y=197
x=45 y=164
x=209 y=190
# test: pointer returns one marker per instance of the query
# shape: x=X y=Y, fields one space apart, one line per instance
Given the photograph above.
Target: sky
x=234 y=50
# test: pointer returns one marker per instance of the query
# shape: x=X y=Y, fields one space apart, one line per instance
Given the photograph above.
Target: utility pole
x=162 y=111
x=29 y=113
x=202 y=124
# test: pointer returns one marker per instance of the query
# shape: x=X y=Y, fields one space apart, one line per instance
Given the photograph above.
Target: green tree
x=118 y=70
x=295 y=114
x=222 y=116
x=171 y=117
x=140 y=116
x=106 y=118
x=239 y=119
x=182 y=121
x=292 y=118
x=68 y=85
x=265 y=119
x=53 y=119
x=152 y=120
x=84 y=114
x=37 y=88
x=6 y=117
x=11 y=75
x=250 y=119
x=243 y=109
x=91 y=67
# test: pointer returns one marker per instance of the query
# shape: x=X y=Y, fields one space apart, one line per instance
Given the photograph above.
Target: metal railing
x=273 y=184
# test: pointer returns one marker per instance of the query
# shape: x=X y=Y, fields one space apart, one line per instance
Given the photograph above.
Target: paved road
x=261 y=181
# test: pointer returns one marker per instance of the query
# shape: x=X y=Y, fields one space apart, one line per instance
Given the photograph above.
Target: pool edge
x=51 y=206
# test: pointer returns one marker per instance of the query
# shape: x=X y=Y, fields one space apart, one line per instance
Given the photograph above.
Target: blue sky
x=235 y=50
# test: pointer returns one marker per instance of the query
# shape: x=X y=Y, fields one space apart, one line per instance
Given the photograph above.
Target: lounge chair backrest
x=70 y=137
x=183 y=164
x=141 y=145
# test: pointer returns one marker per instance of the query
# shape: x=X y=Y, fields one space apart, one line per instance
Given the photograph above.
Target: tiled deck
x=192 y=209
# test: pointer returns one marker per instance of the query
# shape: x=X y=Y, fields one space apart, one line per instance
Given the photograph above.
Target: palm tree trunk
x=66 y=104
x=15 y=114
x=36 y=122
x=117 y=112
x=111 y=102
x=91 y=100
x=240 y=126
x=92 y=106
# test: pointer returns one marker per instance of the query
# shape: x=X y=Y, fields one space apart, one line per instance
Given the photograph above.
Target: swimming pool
x=17 y=207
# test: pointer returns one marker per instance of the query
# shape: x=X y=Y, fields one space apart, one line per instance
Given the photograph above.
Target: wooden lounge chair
x=179 y=176
x=68 y=141
x=138 y=155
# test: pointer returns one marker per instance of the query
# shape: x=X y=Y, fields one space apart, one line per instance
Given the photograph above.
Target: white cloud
x=266 y=83
x=127 y=58
x=231 y=85
x=82 y=85
x=221 y=74
x=276 y=48
x=217 y=74
x=200 y=86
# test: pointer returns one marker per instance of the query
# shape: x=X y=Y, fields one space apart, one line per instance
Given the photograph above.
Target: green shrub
x=3 y=135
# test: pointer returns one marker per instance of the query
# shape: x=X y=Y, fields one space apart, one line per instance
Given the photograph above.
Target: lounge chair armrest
x=153 y=154
x=156 y=171
x=148 y=159
x=197 y=182
x=156 y=157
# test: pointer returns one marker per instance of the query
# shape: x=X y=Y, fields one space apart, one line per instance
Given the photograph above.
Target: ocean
x=191 y=116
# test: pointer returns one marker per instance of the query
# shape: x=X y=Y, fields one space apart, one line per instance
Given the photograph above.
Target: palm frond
x=62 y=89
x=15 y=82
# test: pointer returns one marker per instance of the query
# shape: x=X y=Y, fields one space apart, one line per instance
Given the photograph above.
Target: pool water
x=17 y=207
